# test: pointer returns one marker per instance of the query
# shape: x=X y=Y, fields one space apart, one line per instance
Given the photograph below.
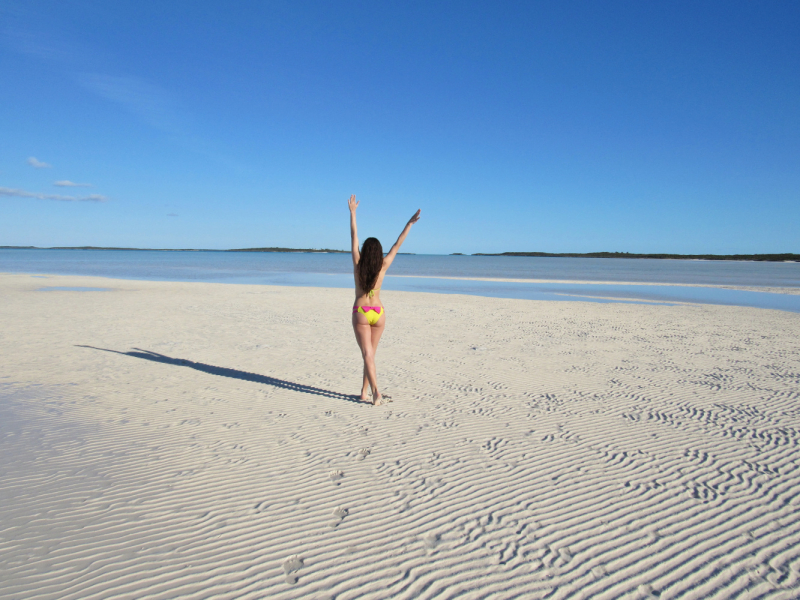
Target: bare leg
x=377 y=332
x=364 y=337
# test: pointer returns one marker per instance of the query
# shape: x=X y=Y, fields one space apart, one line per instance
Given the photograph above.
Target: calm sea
x=433 y=273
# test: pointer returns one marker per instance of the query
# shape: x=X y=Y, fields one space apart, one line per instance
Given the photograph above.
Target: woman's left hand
x=413 y=219
x=352 y=204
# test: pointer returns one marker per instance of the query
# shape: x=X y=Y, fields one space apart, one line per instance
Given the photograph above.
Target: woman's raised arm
x=353 y=205
x=396 y=248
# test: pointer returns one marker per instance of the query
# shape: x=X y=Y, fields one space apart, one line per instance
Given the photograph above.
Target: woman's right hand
x=413 y=219
x=352 y=204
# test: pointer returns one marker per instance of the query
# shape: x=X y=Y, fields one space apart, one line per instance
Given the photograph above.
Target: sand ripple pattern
x=168 y=440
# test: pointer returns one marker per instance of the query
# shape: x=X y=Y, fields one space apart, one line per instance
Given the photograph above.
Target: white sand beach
x=195 y=440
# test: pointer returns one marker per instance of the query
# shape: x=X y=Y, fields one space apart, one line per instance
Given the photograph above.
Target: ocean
x=563 y=279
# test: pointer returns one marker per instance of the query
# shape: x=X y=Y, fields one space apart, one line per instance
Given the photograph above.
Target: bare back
x=362 y=296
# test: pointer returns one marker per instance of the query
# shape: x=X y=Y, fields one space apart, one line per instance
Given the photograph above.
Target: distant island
x=751 y=257
x=272 y=249
x=322 y=250
x=276 y=249
x=786 y=257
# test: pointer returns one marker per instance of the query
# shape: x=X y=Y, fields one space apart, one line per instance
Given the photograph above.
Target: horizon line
x=765 y=257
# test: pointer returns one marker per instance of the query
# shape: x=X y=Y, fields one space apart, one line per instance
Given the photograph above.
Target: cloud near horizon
x=14 y=193
x=68 y=183
x=37 y=164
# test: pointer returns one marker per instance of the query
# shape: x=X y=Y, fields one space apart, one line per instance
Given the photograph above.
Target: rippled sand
x=164 y=440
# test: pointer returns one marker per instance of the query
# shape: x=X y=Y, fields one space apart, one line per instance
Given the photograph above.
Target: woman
x=369 y=316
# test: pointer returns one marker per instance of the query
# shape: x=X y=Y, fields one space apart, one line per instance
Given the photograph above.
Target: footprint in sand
x=336 y=476
x=339 y=514
x=290 y=567
x=564 y=554
x=598 y=571
x=363 y=453
x=647 y=591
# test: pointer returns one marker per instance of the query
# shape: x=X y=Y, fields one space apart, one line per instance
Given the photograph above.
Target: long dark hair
x=370 y=263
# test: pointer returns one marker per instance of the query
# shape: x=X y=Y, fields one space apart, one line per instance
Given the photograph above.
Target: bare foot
x=381 y=399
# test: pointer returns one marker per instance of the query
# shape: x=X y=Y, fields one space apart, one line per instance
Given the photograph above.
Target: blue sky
x=515 y=126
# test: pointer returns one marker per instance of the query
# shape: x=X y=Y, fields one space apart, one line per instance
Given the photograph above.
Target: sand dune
x=164 y=440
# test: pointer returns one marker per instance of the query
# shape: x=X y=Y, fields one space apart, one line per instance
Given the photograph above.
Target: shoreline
x=744 y=288
x=784 y=299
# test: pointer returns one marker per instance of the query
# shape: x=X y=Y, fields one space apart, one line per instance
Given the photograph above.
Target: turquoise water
x=247 y=267
x=427 y=273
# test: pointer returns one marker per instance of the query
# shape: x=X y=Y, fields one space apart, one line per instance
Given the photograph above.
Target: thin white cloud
x=19 y=32
x=149 y=102
x=154 y=105
x=68 y=183
x=37 y=164
x=172 y=214
x=13 y=193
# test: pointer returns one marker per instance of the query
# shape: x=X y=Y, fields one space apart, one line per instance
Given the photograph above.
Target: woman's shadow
x=233 y=373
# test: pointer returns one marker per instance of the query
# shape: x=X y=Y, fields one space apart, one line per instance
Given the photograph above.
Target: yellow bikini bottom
x=373 y=313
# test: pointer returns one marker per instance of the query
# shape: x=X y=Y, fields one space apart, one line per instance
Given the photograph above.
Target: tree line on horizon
x=756 y=257
x=783 y=257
